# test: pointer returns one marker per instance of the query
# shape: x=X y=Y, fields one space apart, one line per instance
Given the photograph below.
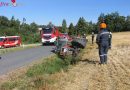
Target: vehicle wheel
x=17 y=45
x=43 y=44
x=2 y=47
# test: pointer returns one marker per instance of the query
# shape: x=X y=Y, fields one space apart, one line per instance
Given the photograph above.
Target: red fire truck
x=49 y=35
x=10 y=41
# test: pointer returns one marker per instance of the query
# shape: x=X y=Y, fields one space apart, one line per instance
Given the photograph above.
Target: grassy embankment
x=40 y=75
x=22 y=47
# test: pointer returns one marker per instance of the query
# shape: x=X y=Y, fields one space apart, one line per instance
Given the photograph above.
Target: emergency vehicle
x=10 y=41
x=49 y=35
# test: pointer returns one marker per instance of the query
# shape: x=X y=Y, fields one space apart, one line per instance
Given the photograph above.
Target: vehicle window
x=12 y=39
x=1 y=39
x=47 y=30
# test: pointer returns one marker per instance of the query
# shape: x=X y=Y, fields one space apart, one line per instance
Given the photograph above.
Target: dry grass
x=89 y=75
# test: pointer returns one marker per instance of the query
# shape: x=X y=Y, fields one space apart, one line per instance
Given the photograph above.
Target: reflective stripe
x=104 y=33
x=101 y=55
x=105 y=54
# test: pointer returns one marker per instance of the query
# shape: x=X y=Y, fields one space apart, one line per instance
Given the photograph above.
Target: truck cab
x=49 y=35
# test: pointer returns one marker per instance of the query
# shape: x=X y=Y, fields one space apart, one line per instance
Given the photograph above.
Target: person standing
x=103 y=42
x=110 y=39
x=93 y=37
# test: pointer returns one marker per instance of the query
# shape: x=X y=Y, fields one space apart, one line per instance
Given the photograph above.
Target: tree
x=33 y=27
x=127 y=24
x=4 y=22
x=71 y=29
x=101 y=18
x=64 y=26
x=81 y=26
x=91 y=27
x=14 y=23
x=114 y=21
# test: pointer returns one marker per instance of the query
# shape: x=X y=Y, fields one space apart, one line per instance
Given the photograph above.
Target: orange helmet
x=103 y=25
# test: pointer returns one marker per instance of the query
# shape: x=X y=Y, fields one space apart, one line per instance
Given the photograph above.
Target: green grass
x=8 y=86
x=48 y=67
x=38 y=76
x=13 y=49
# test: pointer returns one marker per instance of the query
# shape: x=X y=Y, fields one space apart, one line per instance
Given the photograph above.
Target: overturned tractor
x=66 y=47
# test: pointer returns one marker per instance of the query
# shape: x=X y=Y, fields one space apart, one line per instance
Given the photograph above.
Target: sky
x=44 y=11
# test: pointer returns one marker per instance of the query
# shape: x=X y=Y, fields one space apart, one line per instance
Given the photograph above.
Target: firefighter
x=103 y=42
x=110 y=38
x=92 y=37
x=84 y=35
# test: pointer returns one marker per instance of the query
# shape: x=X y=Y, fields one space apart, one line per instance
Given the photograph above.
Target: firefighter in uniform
x=110 y=38
x=103 y=42
x=92 y=37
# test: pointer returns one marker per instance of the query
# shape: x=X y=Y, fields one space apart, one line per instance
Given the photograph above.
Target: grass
x=48 y=67
x=40 y=76
x=13 y=49
x=89 y=75
x=37 y=76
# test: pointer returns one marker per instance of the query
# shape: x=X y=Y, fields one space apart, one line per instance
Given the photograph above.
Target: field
x=89 y=75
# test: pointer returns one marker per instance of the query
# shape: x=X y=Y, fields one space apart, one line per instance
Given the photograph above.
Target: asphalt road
x=14 y=60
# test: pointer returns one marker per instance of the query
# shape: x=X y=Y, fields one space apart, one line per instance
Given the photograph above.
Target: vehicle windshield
x=1 y=39
x=47 y=30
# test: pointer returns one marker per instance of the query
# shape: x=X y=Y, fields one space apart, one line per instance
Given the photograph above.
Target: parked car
x=10 y=41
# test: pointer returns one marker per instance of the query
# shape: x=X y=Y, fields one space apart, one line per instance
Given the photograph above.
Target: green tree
x=64 y=26
x=4 y=22
x=114 y=21
x=71 y=29
x=33 y=27
x=81 y=26
x=127 y=24
x=91 y=27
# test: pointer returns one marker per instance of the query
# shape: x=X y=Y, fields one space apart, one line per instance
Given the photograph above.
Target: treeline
x=30 y=33
x=12 y=27
x=114 y=21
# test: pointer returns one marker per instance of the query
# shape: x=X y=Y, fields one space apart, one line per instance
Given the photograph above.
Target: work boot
x=105 y=63
x=100 y=63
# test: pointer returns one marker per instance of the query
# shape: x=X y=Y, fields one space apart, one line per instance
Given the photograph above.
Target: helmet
x=103 y=25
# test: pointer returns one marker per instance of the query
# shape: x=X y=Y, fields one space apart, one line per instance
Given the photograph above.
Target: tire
x=2 y=47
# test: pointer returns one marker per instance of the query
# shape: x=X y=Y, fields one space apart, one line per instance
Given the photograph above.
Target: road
x=14 y=60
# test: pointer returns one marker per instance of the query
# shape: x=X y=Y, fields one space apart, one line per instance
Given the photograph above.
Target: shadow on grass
x=89 y=61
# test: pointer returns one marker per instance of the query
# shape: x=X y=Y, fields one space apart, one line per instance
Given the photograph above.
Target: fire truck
x=49 y=35
x=10 y=41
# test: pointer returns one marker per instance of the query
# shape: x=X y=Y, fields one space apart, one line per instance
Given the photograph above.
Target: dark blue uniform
x=103 y=42
x=92 y=37
x=110 y=38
